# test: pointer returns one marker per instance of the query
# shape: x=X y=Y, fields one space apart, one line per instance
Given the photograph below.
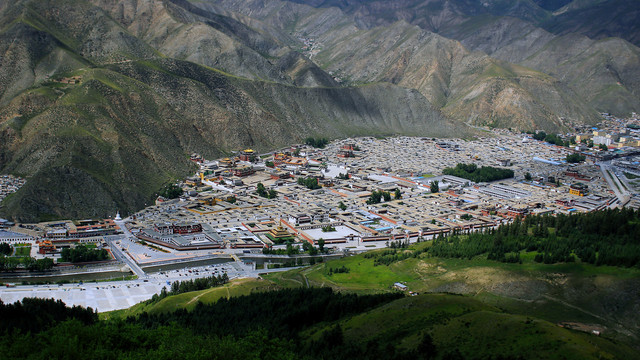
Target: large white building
x=15 y=238
x=597 y=140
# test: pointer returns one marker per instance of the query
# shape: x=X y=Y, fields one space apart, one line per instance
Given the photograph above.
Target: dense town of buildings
x=248 y=201
x=353 y=195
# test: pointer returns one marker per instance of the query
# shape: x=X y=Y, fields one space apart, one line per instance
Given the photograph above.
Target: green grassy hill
x=427 y=326
x=465 y=328
x=550 y=302
x=600 y=296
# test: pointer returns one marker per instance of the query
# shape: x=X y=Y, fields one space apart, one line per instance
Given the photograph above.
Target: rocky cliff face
x=570 y=41
x=604 y=73
x=468 y=86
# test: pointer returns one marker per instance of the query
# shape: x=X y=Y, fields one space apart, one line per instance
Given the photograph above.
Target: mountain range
x=102 y=101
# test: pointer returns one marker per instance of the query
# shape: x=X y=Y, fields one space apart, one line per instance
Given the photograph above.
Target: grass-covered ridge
x=304 y=324
x=575 y=291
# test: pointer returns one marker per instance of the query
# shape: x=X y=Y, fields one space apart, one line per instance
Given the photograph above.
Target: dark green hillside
x=440 y=326
x=304 y=324
x=609 y=237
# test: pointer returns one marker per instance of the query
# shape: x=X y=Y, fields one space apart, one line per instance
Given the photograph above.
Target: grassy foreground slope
x=428 y=326
x=547 y=283
x=602 y=297
x=462 y=327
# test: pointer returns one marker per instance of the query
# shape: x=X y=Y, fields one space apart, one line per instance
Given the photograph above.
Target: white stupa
x=118 y=216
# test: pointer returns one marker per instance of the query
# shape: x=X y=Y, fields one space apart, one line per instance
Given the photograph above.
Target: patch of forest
x=478 y=174
x=257 y=326
x=82 y=253
x=608 y=237
x=296 y=324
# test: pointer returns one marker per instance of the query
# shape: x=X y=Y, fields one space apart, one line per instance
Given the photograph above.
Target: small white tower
x=118 y=216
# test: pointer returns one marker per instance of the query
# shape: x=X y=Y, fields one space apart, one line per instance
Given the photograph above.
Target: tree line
x=179 y=287
x=265 y=325
x=606 y=237
x=339 y=270
x=13 y=263
x=82 y=253
x=319 y=143
x=35 y=315
x=552 y=138
x=284 y=312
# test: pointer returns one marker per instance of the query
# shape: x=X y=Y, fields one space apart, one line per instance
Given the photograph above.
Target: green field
x=22 y=250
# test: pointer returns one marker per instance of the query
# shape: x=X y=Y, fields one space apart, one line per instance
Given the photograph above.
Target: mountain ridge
x=111 y=140
x=157 y=80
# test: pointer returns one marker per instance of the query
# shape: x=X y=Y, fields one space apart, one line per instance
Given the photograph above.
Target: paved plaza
x=104 y=296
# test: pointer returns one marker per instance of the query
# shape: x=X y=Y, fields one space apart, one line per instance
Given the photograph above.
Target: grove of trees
x=552 y=138
x=606 y=237
x=82 y=253
x=316 y=143
x=434 y=186
x=179 y=287
x=475 y=174
x=310 y=183
x=377 y=196
x=171 y=191
x=6 y=249
x=575 y=158
x=13 y=263
x=262 y=325
x=262 y=191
